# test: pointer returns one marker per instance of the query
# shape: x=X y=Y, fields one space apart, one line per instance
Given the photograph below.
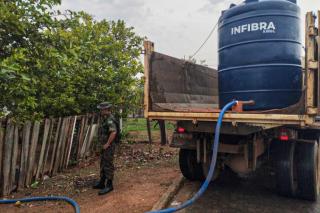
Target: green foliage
x=54 y=64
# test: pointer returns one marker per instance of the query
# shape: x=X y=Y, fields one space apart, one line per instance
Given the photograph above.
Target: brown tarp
x=178 y=85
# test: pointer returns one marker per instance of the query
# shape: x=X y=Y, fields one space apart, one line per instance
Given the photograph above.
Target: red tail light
x=284 y=135
x=181 y=130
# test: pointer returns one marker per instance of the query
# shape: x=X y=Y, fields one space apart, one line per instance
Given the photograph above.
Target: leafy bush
x=57 y=64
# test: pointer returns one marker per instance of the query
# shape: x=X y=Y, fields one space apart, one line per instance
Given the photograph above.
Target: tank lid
x=249 y=1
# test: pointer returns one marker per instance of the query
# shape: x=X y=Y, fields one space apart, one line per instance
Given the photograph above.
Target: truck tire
x=308 y=170
x=189 y=167
x=286 y=171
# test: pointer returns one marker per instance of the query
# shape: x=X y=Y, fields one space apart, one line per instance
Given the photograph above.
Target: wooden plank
x=15 y=150
x=149 y=131
x=64 y=145
x=58 y=152
x=90 y=134
x=231 y=117
x=85 y=141
x=148 y=48
x=43 y=147
x=1 y=152
x=90 y=138
x=55 y=145
x=8 y=144
x=67 y=140
x=310 y=57
x=80 y=136
x=74 y=121
x=32 y=152
x=84 y=136
x=49 y=143
x=24 y=153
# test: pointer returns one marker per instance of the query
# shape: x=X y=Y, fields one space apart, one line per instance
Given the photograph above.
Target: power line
x=210 y=34
x=206 y=40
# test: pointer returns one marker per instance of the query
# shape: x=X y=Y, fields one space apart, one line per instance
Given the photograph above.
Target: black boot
x=107 y=189
x=101 y=184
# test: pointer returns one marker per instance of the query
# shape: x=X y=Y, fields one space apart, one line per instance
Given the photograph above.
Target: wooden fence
x=32 y=150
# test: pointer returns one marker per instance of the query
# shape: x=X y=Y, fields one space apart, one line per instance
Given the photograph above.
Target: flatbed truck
x=180 y=91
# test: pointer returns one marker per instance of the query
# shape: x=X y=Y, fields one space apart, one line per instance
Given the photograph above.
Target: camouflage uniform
x=107 y=125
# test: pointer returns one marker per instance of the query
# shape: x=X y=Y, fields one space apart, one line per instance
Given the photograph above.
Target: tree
x=21 y=26
x=67 y=65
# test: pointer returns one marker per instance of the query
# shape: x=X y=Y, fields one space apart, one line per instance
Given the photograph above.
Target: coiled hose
x=49 y=198
x=205 y=185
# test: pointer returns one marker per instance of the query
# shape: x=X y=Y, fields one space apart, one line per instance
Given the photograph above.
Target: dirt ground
x=143 y=174
x=232 y=194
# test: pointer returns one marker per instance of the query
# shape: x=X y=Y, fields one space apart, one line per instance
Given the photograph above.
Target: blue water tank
x=260 y=54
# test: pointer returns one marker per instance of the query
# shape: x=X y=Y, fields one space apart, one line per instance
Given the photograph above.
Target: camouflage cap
x=104 y=105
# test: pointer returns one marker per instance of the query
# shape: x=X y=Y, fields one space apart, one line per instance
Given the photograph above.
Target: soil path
x=143 y=174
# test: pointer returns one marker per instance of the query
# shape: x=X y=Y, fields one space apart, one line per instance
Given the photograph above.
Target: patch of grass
x=140 y=124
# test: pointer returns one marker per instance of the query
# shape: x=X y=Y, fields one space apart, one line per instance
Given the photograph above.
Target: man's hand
x=110 y=140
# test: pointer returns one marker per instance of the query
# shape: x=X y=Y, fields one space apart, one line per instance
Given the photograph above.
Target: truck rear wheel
x=189 y=166
x=308 y=170
x=286 y=171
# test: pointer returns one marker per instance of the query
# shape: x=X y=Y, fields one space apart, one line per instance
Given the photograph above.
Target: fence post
x=32 y=151
x=24 y=153
x=57 y=158
x=80 y=138
x=74 y=121
x=89 y=136
x=7 y=158
x=149 y=131
x=63 y=142
x=45 y=160
x=43 y=146
x=13 y=182
x=1 y=154
x=55 y=145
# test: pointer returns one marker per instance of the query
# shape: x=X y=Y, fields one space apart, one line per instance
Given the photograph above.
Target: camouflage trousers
x=106 y=163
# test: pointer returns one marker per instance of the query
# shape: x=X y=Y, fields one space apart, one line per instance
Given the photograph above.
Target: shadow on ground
x=254 y=194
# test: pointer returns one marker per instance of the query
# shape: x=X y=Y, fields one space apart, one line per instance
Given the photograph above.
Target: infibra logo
x=265 y=27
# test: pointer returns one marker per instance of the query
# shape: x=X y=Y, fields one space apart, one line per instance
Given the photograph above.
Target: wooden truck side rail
x=311 y=91
x=275 y=119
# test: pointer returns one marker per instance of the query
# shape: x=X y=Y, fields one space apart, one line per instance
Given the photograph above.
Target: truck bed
x=176 y=90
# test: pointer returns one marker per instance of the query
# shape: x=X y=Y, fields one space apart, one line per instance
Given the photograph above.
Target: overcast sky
x=177 y=27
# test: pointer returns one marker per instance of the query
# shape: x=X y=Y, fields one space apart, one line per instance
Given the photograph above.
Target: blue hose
x=212 y=166
x=50 y=198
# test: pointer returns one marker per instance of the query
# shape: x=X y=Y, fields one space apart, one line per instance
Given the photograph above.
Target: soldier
x=107 y=134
